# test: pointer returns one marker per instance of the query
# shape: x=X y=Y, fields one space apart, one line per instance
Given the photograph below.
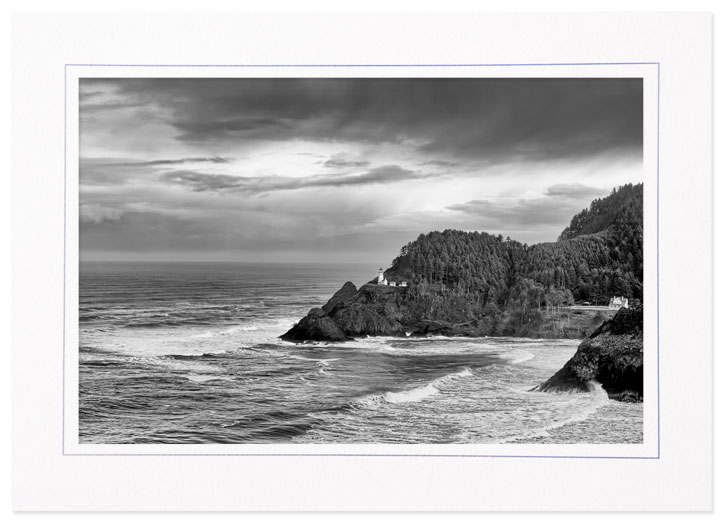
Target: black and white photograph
x=361 y=260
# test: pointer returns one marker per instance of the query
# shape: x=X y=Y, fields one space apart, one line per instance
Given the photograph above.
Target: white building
x=615 y=303
x=384 y=282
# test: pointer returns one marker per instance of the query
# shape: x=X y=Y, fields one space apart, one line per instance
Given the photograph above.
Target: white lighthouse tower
x=381 y=276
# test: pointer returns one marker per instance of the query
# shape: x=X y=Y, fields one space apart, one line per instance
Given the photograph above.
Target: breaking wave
x=597 y=399
x=518 y=356
x=412 y=395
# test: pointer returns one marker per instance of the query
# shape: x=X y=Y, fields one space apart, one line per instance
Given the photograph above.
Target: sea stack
x=612 y=356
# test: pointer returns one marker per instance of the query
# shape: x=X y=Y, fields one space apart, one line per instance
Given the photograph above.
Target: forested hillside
x=622 y=205
x=598 y=256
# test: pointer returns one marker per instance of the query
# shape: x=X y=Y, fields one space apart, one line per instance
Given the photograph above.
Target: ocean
x=189 y=353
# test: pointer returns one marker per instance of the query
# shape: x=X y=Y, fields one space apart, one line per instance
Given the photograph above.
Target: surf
x=412 y=395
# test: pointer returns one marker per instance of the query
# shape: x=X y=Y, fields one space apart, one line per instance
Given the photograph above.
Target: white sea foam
x=518 y=356
x=597 y=398
x=585 y=406
x=322 y=361
x=426 y=346
x=201 y=378
x=322 y=364
x=194 y=367
x=412 y=395
x=202 y=335
x=237 y=329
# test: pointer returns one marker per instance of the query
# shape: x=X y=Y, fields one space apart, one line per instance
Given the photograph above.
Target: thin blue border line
x=377 y=455
x=658 y=260
x=369 y=65
x=65 y=187
x=65 y=221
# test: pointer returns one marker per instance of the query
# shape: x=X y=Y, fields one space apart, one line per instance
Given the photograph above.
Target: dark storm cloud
x=196 y=181
x=199 y=131
x=489 y=119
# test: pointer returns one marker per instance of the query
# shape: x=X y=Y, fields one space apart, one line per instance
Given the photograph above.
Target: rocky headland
x=612 y=356
x=476 y=284
x=376 y=310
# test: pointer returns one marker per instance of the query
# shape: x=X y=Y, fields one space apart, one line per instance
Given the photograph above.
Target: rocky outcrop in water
x=315 y=326
x=612 y=356
x=372 y=310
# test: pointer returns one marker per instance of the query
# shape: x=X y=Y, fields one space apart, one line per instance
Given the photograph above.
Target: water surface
x=189 y=353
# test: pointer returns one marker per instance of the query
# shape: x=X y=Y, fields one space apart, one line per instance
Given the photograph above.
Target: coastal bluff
x=375 y=310
x=612 y=356
x=371 y=310
x=475 y=284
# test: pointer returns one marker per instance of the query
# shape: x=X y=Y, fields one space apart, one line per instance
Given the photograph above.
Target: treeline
x=598 y=256
x=624 y=201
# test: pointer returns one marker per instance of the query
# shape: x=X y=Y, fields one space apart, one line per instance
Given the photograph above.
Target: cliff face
x=347 y=291
x=315 y=326
x=612 y=356
x=416 y=311
x=372 y=310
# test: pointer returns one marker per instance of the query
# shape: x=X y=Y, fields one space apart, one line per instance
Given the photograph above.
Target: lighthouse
x=381 y=276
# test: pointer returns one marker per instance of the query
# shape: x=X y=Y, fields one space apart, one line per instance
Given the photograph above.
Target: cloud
x=575 y=190
x=381 y=175
x=276 y=164
x=551 y=210
x=441 y=163
x=196 y=181
x=193 y=130
x=340 y=160
x=96 y=214
x=117 y=172
x=87 y=108
x=209 y=182
x=156 y=162
x=481 y=119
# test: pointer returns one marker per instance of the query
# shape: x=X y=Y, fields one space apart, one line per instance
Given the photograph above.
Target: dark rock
x=612 y=356
x=361 y=319
x=628 y=396
x=423 y=310
x=345 y=293
x=316 y=326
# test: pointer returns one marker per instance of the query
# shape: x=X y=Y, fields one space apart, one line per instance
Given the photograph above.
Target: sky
x=342 y=170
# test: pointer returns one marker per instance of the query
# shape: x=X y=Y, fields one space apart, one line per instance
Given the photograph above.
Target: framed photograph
x=407 y=267
x=235 y=278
